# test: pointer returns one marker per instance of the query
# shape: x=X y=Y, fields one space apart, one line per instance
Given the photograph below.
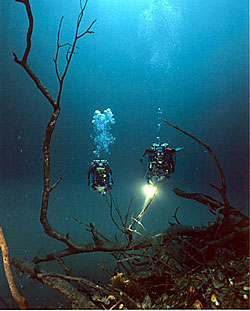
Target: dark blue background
x=189 y=58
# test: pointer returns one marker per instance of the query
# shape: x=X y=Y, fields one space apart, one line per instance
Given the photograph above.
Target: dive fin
x=178 y=149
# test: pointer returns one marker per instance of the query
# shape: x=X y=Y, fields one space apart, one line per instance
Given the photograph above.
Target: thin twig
x=127 y=214
x=57 y=50
x=88 y=226
x=110 y=204
x=140 y=224
x=119 y=215
x=175 y=216
x=87 y=31
x=94 y=234
x=65 y=268
x=55 y=184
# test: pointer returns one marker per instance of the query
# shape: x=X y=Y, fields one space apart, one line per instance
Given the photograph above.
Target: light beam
x=149 y=190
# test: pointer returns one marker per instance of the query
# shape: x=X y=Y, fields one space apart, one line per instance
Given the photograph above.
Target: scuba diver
x=100 y=176
x=161 y=162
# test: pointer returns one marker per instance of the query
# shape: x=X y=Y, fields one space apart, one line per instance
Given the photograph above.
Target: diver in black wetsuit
x=100 y=176
x=161 y=161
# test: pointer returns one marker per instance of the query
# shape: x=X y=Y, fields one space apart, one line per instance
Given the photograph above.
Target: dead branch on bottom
x=75 y=298
x=124 y=246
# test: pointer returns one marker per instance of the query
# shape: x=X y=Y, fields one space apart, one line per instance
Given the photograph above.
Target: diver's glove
x=141 y=159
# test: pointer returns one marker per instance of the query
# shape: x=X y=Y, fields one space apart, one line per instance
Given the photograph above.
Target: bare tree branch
x=215 y=205
x=71 y=52
x=76 y=279
x=175 y=216
x=57 y=50
x=110 y=203
x=158 y=250
x=76 y=299
x=20 y=300
x=36 y=80
x=47 y=188
x=55 y=184
x=23 y=62
x=30 y=29
x=124 y=246
x=87 y=31
x=222 y=189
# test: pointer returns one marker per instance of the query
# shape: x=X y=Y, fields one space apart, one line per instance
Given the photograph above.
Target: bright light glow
x=149 y=190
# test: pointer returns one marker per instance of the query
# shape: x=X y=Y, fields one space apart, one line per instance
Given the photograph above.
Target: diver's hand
x=140 y=159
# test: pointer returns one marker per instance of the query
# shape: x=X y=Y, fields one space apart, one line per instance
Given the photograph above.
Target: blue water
x=188 y=58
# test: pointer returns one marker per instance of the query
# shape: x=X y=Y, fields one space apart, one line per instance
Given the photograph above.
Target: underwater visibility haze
x=185 y=61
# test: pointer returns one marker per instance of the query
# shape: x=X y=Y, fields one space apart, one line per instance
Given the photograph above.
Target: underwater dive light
x=149 y=190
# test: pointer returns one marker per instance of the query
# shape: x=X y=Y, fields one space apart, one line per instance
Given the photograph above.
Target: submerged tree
x=149 y=267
